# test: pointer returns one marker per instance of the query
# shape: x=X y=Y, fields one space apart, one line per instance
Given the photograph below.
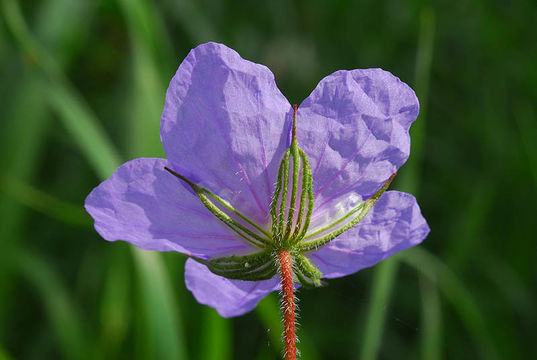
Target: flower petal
x=394 y=224
x=225 y=126
x=145 y=205
x=354 y=129
x=229 y=297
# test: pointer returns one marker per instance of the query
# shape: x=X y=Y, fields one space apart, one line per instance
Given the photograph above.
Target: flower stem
x=288 y=304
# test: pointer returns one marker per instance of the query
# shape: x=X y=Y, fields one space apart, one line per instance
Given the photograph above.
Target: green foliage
x=82 y=88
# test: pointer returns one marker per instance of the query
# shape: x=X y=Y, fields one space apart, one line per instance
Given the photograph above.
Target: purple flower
x=240 y=181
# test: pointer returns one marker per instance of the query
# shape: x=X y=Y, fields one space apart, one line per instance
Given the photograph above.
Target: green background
x=81 y=90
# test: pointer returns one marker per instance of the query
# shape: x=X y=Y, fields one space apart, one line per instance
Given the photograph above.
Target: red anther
x=295 y=107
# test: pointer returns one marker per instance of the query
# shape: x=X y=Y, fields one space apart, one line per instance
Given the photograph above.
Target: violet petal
x=229 y=297
x=147 y=206
x=354 y=129
x=224 y=126
x=393 y=224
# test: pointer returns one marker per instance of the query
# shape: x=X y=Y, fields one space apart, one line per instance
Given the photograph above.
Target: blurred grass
x=66 y=322
x=100 y=70
x=29 y=121
x=454 y=290
x=162 y=328
x=409 y=181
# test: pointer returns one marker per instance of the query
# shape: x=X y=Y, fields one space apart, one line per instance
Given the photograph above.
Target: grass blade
x=455 y=292
x=27 y=120
x=525 y=118
x=383 y=280
x=4 y=355
x=40 y=201
x=78 y=119
x=385 y=273
x=148 y=91
x=161 y=315
x=115 y=307
x=268 y=311
x=64 y=317
x=159 y=305
x=431 y=319
x=217 y=341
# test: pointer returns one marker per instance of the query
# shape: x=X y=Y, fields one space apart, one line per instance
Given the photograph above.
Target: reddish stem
x=288 y=304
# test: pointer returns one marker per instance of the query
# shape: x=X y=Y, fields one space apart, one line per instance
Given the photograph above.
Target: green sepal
x=252 y=267
x=361 y=211
x=286 y=230
x=260 y=240
x=307 y=273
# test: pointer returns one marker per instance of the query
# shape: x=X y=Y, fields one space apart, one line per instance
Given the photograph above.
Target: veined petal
x=229 y=297
x=145 y=205
x=393 y=224
x=225 y=126
x=354 y=129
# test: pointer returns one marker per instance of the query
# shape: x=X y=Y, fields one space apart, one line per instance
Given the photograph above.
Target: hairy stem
x=288 y=304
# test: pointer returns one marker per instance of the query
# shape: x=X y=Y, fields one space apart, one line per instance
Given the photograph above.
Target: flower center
x=291 y=210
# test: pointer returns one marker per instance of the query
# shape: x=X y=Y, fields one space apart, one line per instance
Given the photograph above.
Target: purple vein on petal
x=342 y=191
x=194 y=211
x=317 y=167
x=195 y=236
x=352 y=157
x=241 y=169
x=223 y=248
x=221 y=182
x=243 y=299
x=175 y=232
x=264 y=159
